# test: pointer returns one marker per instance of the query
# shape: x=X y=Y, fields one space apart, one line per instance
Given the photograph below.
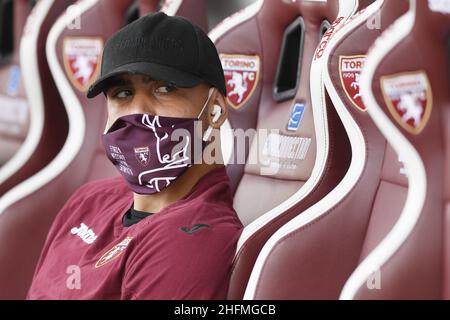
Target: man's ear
x=217 y=110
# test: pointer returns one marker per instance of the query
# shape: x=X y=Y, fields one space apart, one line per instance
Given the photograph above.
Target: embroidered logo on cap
x=349 y=71
x=241 y=77
x=409 y=99
x=82 y=56
x=114 y=252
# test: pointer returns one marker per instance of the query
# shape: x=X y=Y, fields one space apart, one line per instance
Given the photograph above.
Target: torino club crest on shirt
x=114 y=252
x=241 y=77
x=409 y=99
x=350 y=68
x=82 y=57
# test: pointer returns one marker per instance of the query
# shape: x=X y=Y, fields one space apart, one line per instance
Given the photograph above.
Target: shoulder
x=94 y=195
x=114 y=185
x=106 y=187
x=189 y=236
x=197 y=220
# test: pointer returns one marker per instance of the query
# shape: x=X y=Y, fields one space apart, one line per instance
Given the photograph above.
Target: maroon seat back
x=73 y=49
x=269 y=47
x=74 y=37
x=312 y=256
x=383 y=174
x=14 y=115
x=46 y=122
x=406 y=86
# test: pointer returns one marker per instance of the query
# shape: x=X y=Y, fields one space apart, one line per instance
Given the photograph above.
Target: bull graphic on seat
x=409 y=98
x=411 y=106
x=84 y=66
x=241 y=77
x=355 y=85
x=239 y=84
x=82 y=56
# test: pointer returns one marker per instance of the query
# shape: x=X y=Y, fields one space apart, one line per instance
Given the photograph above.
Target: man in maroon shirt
x=166 y=229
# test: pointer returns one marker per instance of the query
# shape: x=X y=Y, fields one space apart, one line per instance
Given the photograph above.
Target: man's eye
x=165 y=89
x=123 y=94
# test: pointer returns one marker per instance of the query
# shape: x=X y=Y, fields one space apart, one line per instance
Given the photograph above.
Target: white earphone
x=217 y=112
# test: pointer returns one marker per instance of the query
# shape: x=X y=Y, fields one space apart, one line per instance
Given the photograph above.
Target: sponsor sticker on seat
x=241 y=77
x=296 y=117
x=409 y=99
x=14 y=115
x=82 y=60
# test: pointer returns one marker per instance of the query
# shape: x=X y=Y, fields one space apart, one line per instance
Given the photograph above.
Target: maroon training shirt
x=184 y=251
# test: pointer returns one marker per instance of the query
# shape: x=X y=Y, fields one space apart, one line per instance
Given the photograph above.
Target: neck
x=175 y=191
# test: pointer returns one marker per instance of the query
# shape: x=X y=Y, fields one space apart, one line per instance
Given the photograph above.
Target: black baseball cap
x=168 y=48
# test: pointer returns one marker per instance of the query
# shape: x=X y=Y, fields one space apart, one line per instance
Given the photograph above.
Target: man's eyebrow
x=116 y=82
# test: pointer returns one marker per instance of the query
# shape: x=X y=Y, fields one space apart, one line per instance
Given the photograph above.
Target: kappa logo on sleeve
x=241 y=77
x=114 y=252
x=82 y=59
x=349 y=71
x=409 y=99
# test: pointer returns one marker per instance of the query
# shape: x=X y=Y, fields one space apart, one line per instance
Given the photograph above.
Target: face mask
x=141 y=148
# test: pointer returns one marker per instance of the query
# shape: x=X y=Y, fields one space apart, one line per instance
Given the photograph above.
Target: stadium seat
x=405 y=85
x=47 y=122
x=312 y=256
x=26 y=122
x=80 y=159
x=73 y=50
x=273 y=74
x=194 y=10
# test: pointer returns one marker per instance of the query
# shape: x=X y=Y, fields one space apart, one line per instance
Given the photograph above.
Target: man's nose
x=143 y=103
